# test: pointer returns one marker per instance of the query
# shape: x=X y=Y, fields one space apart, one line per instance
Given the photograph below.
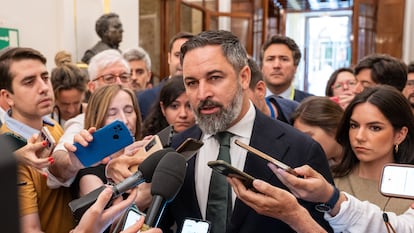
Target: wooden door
x=390 y=27
x=377 y=28
x=364 y=29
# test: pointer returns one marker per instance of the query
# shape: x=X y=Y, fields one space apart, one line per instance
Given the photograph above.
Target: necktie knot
x=224 y=138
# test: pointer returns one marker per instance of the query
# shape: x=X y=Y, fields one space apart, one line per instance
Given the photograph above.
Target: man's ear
x=261 y=88
x=91 y=86
x=245 y=77
x=169 y=58
x=7 y=96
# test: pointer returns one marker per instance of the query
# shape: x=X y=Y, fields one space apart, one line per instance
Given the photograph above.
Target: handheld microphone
x=167 y=181
x=144 y=173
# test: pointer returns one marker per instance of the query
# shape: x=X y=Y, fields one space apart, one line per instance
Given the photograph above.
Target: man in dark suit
x=147 y=98
x=274 y=106
x=217 y=76
x=280 y=57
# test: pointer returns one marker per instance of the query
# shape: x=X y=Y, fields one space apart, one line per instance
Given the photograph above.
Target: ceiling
x=312 y=5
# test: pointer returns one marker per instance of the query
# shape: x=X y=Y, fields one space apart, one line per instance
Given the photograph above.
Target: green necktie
x=219 y=196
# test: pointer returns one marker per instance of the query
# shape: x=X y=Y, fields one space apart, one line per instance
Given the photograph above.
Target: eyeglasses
x=410 y=83
x=111 y=78
x=350 y=83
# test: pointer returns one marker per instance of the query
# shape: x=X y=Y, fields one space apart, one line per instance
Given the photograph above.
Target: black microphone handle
x=155 y=210
x=80 y=205
x=130 y=182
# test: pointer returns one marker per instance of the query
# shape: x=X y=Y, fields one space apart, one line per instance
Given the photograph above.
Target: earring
x=396 y=149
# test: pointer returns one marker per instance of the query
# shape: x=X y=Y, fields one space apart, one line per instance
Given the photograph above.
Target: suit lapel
x=267 y=137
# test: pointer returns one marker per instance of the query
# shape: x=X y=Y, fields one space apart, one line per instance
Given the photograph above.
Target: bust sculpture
x=109 y=29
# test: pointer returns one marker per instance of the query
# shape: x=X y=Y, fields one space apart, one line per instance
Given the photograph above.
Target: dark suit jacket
x=273 y=137
x=300 y=95
x=285 y=107
x=148 y=97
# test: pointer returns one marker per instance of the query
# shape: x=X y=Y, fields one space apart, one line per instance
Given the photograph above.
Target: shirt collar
x=22 y=129
x=287 y=94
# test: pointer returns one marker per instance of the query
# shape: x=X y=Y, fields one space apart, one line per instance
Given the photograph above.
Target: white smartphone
x=192 y=225
x=45 y=135
x=396 y=181
x=132 y=216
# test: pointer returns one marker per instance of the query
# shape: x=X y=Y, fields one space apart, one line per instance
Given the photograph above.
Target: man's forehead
x=278 y=49
x=27 y=67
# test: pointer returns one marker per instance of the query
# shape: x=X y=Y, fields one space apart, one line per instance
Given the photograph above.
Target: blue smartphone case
x=106 y=141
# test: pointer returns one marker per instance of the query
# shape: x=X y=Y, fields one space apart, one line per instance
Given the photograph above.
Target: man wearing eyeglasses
x=408 y=90
x=105 y=68
x=378 y=69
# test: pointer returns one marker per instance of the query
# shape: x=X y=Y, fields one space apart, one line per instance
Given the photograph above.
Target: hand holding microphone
x=144 y=174
x=166 y=183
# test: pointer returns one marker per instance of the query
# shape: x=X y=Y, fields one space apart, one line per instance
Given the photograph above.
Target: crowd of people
x=338 y=144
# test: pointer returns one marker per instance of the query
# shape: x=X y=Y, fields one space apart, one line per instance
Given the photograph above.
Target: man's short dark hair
x=233 y=49
x=180 y=35
x=384 y=70
x=410 y=67
x=13 y=54
x=102 y=24
x=256 y=74
x=290 y=43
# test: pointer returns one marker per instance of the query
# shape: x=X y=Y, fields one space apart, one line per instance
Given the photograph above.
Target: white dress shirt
x=242 y=131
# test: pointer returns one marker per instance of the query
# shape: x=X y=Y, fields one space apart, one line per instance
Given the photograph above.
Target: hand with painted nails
x=29 y=154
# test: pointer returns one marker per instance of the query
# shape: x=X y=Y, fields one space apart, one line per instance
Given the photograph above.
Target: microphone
x=167 y=181
x=144 y=173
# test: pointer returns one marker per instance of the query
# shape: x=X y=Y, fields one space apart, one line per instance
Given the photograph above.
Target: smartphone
x=192 y=225
x=266 y=157
x=396 y=181
x=45 y=135
x=166 y=135
x=189 y=148
x=150 y=147
x=226 y=169
x=132 y=215
x=106 y=141
x=13 y=141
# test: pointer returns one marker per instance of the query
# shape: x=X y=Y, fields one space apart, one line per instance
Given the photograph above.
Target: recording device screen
x=195 y=226
x=132 y=217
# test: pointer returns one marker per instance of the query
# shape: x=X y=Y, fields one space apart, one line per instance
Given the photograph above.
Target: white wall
x=53 y=25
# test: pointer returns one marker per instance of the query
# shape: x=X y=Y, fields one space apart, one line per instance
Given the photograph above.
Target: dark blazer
x=275 y=138
x=285 y=107
x=300 y=95
x=148 y=97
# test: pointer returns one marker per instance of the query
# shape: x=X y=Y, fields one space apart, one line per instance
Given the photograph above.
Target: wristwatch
x=328 y=206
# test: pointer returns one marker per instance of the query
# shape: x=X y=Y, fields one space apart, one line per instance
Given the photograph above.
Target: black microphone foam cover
x=169 y=176
x=148 y=166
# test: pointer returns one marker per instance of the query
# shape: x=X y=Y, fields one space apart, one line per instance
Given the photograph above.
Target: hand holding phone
x=226 y=169
x=106 y=141
x=45 y=135
x=396 y=181
x=150 y=147
x=266 y=157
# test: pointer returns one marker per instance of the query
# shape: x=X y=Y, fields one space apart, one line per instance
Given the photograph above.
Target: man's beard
x=220 y=121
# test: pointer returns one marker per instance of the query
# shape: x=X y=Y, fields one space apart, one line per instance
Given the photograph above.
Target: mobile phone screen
x=131 y=218
x=396 y=181
x=195 y=226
